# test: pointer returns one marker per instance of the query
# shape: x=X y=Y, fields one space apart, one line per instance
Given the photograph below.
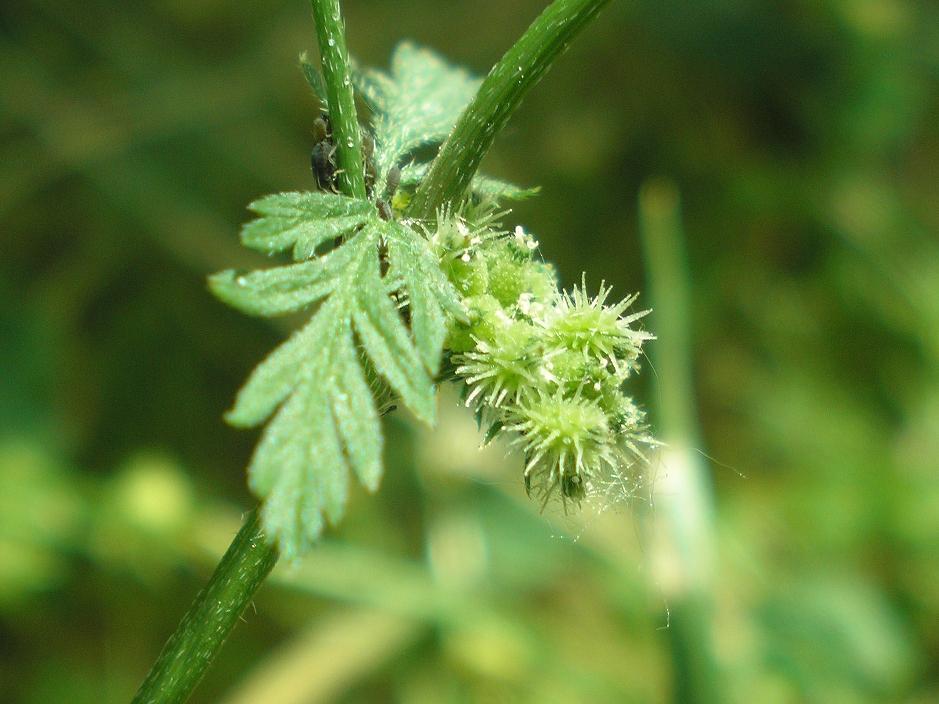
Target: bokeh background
x=765 y=173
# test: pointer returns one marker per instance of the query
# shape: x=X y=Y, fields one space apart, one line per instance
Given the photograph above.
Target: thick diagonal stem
x=500 y=94
x=203 y=630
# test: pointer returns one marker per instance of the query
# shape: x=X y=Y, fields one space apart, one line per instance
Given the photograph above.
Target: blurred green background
x=790 y=149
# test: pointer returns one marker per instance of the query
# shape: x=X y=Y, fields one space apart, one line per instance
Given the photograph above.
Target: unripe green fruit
x=574 y=372
x=470 y=277
x=561 y=425
x=568 y=366
x=507 y=279
x=541 y=280
x=500 y=368
x=483 y=315
x=542 y=365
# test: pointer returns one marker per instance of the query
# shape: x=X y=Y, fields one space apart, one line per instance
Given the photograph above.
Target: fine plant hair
x=411 y=279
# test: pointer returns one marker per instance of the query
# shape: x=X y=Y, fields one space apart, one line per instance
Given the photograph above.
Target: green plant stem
x=667 y=273
x=331 y=36
x=250 y=558
x=500 y=94
x=684 y=532
x=200 y=635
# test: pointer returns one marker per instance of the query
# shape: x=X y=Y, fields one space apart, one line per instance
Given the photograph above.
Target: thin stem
x=250 y=558
x=330 y=33
x=667 y=274
x=500 y=94
x=683 y=545
x=200 y=635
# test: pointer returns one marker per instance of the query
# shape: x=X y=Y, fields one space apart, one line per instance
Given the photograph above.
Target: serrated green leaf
x=285 y=289
x=482 y=186
x=417 y=104
x=304 y=221
x=291 y=513
x=329 y=462
x=427 y=323
x=388 y=344
x=356 y=415
x=427 y=290
x=274 y=378
x=301 y=471
x=409 y=250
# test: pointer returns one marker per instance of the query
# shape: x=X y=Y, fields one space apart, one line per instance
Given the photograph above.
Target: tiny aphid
x=321 y=128
x=392 y=182
x=391 y=185
x=323 y=165
x=322 y=156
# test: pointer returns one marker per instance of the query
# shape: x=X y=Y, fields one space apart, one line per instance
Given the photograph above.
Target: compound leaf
x=417 y=104
x=319 y=387
x=380 y=305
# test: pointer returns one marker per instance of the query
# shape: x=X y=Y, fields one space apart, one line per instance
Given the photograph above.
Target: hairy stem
x=331 y=35
x=500 y=94
x=200 y=635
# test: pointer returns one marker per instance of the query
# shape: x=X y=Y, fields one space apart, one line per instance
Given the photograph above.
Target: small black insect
x=322 y=128
x=324 y=166
x=384 y=210
x=392 y=182
x=322 y=156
